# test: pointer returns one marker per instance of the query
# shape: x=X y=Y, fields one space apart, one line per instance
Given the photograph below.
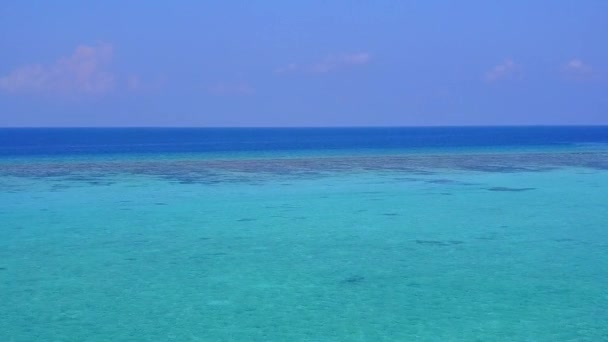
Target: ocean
x=308 y=234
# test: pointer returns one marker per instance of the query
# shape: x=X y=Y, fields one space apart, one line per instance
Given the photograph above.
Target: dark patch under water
x=259 y=170
x=507 y=189
x=102 y=183
x=439 y=243
x=441 y=181
x=486 y=238
x=355 y=279
x=564 y=240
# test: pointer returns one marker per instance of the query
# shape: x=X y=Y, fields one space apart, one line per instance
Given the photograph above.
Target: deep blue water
x=67 y=141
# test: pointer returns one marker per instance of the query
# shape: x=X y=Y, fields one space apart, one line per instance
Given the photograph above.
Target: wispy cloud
x=134 y=83
x=81 y=73
x=231 y=89
x=503 y=71
x=577 y=69
x=291 y=67
x=330 y=63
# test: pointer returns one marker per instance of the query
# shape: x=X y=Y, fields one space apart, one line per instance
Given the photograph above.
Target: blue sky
x=303 y=63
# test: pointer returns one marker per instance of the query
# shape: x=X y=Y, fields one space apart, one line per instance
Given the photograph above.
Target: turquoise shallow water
x=464 y=247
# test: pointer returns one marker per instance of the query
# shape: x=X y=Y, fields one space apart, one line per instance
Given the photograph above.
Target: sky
x=303 y=63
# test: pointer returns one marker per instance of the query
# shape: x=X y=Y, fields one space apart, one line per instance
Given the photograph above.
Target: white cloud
x=577 y=69
x=329 y=64
x=503 y=71
x=81 y=73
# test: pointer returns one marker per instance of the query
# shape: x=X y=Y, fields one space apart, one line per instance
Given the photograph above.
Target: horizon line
x=304 y=127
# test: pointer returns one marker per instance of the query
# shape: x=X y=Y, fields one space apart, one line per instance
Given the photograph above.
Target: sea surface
x=349 y=234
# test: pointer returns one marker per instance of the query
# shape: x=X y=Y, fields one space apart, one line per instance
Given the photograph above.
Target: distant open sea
x=311 y=234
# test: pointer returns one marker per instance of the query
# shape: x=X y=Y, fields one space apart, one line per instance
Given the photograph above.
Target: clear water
x=352 y=245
